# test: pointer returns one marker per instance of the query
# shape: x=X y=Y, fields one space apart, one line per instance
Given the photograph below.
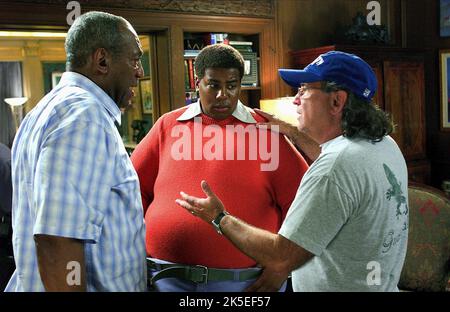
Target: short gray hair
x=91 y=31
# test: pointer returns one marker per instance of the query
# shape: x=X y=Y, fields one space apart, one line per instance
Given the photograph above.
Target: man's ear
x=339 y=101
x=101 y=60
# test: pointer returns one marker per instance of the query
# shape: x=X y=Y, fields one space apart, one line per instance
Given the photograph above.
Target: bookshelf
x=247 y=45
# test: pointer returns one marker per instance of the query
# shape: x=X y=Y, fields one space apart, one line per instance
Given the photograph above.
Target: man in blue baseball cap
x=347 y=228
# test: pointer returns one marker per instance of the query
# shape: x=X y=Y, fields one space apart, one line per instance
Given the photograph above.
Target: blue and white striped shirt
x=72 y=177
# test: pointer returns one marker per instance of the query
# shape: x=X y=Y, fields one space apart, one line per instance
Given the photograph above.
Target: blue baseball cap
x=344 y=69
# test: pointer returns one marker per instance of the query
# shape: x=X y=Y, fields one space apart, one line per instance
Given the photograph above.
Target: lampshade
x=16 y=101
x=282 y=108
x=16 y=105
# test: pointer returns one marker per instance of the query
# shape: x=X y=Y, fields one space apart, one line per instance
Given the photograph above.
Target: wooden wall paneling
x=177 y=67
x=419 y=171
x=15 y=15
x=254 y=8
x=379 y=95
x=158 y=84
x=52 y=51
x=422 y=30
x=404 y=96
x=11 y=50
x=269 y=62
x=286 y=26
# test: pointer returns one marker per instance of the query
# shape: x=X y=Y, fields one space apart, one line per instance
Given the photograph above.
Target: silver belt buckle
x=204 y=274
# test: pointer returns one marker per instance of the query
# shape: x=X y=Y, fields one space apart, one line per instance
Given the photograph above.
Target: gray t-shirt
x=351 y=212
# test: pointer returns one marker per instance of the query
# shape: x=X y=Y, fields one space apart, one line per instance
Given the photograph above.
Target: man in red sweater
x=253 y=169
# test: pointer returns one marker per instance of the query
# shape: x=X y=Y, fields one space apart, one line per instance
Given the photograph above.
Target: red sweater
x=260 y=198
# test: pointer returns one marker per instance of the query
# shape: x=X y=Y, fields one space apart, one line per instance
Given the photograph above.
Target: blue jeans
x=181 y=285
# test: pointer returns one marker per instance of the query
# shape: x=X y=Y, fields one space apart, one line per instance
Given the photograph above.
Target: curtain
x=10 y=86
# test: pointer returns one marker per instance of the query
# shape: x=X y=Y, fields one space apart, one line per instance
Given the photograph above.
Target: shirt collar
x=242 y=112
x=76 y=79
x=333 y=142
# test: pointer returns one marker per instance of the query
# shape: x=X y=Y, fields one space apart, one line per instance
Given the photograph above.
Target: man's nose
x=297 y=100
x=222 y=93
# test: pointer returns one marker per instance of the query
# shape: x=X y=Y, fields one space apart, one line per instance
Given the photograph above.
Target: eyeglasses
x=324 y=86
x=304 y=87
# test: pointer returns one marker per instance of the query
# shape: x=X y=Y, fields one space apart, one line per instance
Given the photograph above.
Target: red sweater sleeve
x=145 y=159
x=286 y=180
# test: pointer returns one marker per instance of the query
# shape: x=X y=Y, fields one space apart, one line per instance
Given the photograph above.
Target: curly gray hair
x=361 y=118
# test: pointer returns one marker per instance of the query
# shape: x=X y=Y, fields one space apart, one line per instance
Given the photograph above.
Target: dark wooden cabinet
x=401 y=92
x=404 y=99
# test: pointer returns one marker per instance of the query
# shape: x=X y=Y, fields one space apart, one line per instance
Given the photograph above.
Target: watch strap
x=216 y=221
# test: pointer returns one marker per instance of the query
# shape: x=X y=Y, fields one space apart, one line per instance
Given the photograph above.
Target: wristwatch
x=216 y=221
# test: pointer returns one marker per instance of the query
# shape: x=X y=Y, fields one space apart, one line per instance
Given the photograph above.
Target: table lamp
x=16 y=104
x=282 y=108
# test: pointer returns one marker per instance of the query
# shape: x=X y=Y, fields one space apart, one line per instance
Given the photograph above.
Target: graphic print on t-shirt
x=395 y=191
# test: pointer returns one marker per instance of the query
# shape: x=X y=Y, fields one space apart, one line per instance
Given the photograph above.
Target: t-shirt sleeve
x=71 y=181
x=320 y=209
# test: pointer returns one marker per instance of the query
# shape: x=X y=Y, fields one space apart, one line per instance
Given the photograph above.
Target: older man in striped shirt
x=77 y=211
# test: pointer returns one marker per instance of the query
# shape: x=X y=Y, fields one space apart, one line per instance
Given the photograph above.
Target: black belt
x=198 y=273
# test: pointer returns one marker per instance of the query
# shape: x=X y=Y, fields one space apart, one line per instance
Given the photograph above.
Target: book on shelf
x=243 y=43
x=191 y=73
x=191 y=53
x=219 y=38
x=186 y=75
x=242 y=46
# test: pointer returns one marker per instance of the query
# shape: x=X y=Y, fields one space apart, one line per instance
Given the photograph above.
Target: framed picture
x=56 y=77
x=146 y=92
x=444 y=62
x=444 y=18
